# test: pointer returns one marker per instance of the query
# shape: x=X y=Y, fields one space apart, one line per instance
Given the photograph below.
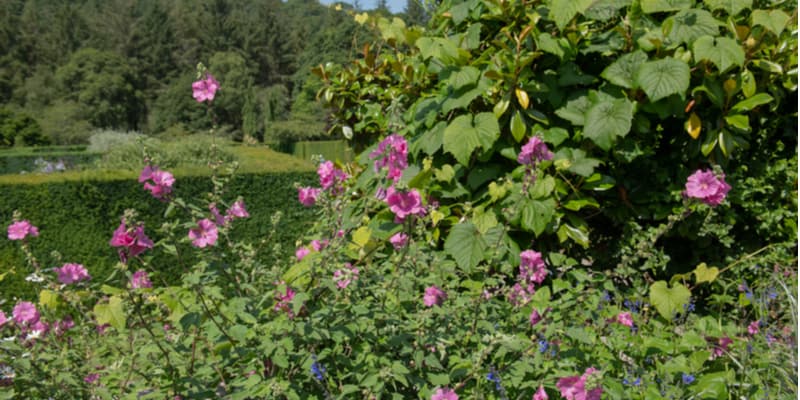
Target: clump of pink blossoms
x=534 y=151
x=139 y=280
x=574 y=387
x=444 y=394
x=205 y=89
x=71 y=273
x=158 y=182
x=133 y=241
x=706 y=186
x=25 y=313
x=532 y=271
x=403 y=204
x=21 y=229
x=344 y=276
x=308 y=196
x=205 y=234
x=283 y=301
x=329 y=175
x=434 y=296
x=392 y=152
x=540 y=394
x=625 y=318
x=399 y=240
x=3 y=318
x=236 y=210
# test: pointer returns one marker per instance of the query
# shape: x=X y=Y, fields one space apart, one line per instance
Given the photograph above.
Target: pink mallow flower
x=237 y=210
x=308 y=196
x=574 y=387
x=625 y=318
x=392 y=152
x=707 y=187
x=540 y=394
x=534 y=151
x=403 y=204
x=329 y=175
x=532 y=268
x=301 y=253
x=205 y=89
x=25 y=313
x=71 y=273
x=399 y=240
x=444 y=394
x=752 y=329
x=433 y=296
x=205 y=234
x=344 y=276
x=3 y=318
x=139 y=280
x=20 y=229
x=535 y=317
x=162 y=181
x=132 y=241
x=284 y=300
x=720 y=347
x=91 y=378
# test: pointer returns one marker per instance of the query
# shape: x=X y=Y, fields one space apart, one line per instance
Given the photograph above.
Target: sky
x=395 y=6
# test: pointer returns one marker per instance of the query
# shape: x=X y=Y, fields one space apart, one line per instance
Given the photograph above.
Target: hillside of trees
x=67 y=68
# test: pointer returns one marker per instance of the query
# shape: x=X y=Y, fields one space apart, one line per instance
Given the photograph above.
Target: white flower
x=34 y=278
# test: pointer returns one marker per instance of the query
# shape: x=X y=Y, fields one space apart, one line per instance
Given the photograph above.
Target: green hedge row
x=34 y=162
x=77 y=219
x=329 y=149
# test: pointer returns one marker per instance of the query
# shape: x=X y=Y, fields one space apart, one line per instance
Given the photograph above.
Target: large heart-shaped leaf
x=622 y=71
x=465 y=245
x=112 y=313
x=654 y=6
x=688 y=25
x=722 y=51
x=732 y=7
x=663 y=78
x=608 y=119
x=536 y=214
x=669 y=301
x=465 y=134
x=564 y=10
x=774 y=20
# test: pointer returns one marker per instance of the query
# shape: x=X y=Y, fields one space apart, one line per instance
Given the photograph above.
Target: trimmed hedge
x=77 y=219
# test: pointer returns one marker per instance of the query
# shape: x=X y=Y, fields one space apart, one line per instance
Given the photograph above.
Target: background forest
x=67 y=68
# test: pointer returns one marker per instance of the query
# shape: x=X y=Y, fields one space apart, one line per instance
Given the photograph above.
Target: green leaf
x=575 y=160
x=705 y=274
x=578 y=235
x=48 y=299
x=536 y=214
x=548 y=43
x=654 y=6
x=465 y=245
x=604 y=10
x=576 y=205
x=441 y=49
x=464 y=135
x=748 y=83
x=738 y=121
x=575 y=110
x=669 y=301
x=663 y=78
x=623 y=71
x=607 y=120
x=461 y=77
x=112 y=313
x=688 y=25
x=543 y=187
x=732 y=7
x=774 y=20
x=431 y=141
x=722 y=51
x=518 y=127
x=555 y=136
x=751 y=103
x=564 y=10
x=712 y=386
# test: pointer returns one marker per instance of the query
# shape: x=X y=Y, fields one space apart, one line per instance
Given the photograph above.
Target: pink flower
x=532 y=268
x=25 y=313
x=204 y=235
x=71 y=273
x=399 y=240
x=574 y=387
x=444 y=394
x=301 y=253
x=707 y=187
x=535 y=318
x=434 y=296
x=139 y=280
x=3 y=318
x=343 y=277
x=392 y=152
x=534 y=151
x=64 y=325
x=519 y=295
x=308 y=195
x=329 y=175
x=20 y=229
x=218 y=218
x=318 y=245
x=625 y=318
x=237 y=210
x=403 y=204
x=752 y=329
x=205 y=89
x=721 y=347
x=283 y=301
x=133 y=242
x=91 y=378
x=540 y=394
x=162 y=181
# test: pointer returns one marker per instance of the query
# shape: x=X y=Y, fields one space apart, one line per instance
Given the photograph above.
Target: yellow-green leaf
x=693 y=126
x=669 y=301
x=361 y=236
x=518 y=127
x=705 y=274
x=522 y=98
x=112 y=313
x=48 y=299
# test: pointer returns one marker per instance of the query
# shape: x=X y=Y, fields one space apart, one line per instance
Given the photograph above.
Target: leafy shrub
x=193 y=150
x=20 y=129
x=104 y=140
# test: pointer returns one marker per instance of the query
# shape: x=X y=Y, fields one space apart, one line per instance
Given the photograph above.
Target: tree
x=415 y=13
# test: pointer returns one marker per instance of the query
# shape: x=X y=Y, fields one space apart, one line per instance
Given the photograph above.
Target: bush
x=105 y=140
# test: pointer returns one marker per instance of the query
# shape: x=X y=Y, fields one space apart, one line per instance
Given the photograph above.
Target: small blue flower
x=606 y=296
x=493 y=376
x=317 y=369
x=542 y=346
x=687 y=378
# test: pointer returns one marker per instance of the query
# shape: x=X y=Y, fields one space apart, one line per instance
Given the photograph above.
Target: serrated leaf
x=112 y=313
x=751 y=103
x=732 y=7
x=518 y=128
x=774 y=20
x=654 y=6
x=536 y=214
x=688 y=25
x=465 y=245
x=603 y=10
x=705 y=274
x=722 y=51
x=575 y=160
x=464 y=135
x=663 y=78
x=575 y=110
x=543 y=187
x=548 y=43
x=555 y=136
x=607 y=120
x=564 y=10
x=668 y=301
x=693 y=126
x=623 y=71
x=463 y=76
